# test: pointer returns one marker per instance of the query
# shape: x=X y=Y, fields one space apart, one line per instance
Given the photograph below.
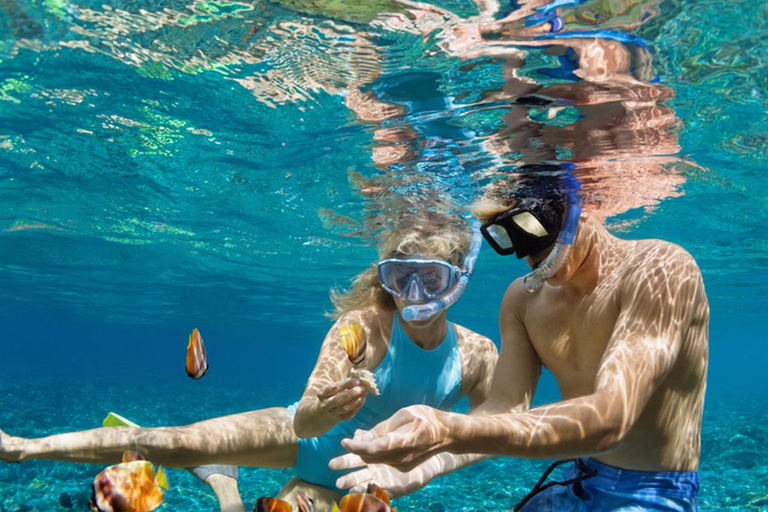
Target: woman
x=424 y=265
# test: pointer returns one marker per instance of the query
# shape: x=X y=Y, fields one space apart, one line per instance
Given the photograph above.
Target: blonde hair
x=425 y=234
x=487 y=207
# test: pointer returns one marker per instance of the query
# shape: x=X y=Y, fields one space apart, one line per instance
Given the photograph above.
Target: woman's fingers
x=335 y=388
x=349 y=409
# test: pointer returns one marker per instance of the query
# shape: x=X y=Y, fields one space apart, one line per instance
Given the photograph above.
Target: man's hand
x=408 y=438
x=343 y=399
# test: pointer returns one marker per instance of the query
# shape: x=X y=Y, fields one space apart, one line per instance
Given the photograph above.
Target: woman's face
x=433 y=320
x=417 y=284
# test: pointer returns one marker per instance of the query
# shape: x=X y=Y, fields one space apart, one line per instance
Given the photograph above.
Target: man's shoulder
x=658 y=254
x=654 y=262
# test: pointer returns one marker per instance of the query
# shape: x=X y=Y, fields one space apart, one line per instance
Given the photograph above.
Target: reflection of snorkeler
x=605 y=112
x=428 y=361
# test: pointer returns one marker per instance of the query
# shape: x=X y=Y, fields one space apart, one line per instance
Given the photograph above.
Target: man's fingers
x=362 y=435
x=369 y=450
x=347 y=461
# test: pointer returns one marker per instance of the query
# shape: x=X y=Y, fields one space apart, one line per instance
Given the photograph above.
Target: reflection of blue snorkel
x=431 y=308
x=555 y=259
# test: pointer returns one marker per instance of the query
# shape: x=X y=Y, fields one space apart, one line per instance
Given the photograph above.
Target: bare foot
x=8 y=450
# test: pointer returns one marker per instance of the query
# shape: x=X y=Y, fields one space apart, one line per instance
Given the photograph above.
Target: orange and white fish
x=375 y=500
x=197 y=360
x=131 y=486
x=266 y=504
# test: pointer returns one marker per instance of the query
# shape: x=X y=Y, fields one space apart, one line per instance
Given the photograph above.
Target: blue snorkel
x=423 y=311
x=536 y=278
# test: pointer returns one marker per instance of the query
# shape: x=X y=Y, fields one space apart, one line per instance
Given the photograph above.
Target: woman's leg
x=227 y=493
x=262 y=438
x=323 y=497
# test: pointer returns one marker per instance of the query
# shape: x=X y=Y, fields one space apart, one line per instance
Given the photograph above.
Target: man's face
x=535 y=260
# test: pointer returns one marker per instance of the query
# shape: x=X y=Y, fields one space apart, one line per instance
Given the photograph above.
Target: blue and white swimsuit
x=408 y=375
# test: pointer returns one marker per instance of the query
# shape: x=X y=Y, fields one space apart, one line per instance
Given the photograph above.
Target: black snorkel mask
x=545 y=214
x=526 y=229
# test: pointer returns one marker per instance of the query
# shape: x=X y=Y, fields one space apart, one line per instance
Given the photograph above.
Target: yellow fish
x=352 y=338
x=131 y=486
x=197 y=360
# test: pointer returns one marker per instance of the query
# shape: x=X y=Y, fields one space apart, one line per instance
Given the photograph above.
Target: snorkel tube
x=547 y=268
x=449 y=298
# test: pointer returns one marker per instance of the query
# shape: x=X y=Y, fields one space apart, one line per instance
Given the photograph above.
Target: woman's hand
x=408 y=438
x=395 y=482
x=341 y=400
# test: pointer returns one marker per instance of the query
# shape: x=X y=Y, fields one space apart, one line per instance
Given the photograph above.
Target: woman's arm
x=331 y=395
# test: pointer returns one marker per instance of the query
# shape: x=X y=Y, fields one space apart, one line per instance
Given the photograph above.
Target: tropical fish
x=131 y=486
x=375 y=500
x=197 y=360
x=306 y=504
x=352 y=339
x=266 y=504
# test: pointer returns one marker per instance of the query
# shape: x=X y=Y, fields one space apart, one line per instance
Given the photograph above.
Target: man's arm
x=643 y=348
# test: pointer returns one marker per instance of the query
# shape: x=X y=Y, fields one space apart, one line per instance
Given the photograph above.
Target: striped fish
x=197 y=360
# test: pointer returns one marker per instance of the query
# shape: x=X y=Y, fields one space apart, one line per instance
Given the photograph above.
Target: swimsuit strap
x=592 y=472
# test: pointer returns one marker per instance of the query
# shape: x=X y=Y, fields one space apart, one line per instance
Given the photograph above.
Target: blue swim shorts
x=598 y=487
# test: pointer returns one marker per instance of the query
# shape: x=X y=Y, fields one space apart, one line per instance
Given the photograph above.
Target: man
x=623 y=327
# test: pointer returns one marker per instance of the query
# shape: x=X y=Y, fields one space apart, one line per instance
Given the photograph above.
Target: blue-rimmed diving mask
x=417 y=281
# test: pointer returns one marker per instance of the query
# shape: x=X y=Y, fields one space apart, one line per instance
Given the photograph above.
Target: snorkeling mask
x=416 y=280
x=534 y=223
x=437 y=281
x=529 y=227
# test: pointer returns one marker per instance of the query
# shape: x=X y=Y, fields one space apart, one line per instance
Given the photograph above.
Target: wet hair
x=530 y=181
x=428 y=234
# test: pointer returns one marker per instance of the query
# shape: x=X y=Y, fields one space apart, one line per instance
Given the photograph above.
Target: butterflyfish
x=131 y=486
x=267 y=504
x=352 y=339
x=197 y=360
x=363 y=502
x=306 y=504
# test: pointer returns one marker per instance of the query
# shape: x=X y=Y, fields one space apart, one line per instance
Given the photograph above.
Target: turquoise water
x=175 y=164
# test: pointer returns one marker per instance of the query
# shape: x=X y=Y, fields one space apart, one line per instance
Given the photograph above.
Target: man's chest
x=571 y=339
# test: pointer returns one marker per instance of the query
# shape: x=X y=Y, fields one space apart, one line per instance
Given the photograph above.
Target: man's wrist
x=453 y=424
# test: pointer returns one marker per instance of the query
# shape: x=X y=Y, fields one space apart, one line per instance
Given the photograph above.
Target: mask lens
x=435 y=278
x=500 y=236
x=432 y=277
x=393 y=276
x=530 y=224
